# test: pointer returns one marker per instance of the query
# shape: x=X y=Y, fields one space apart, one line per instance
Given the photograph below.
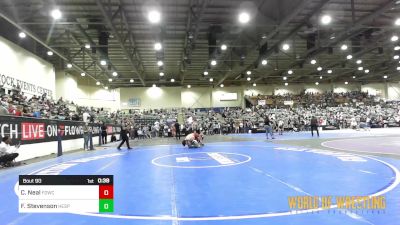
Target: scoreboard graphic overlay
x=66 y=193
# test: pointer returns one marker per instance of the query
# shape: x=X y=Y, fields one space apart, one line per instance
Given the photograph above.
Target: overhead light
x=244 y=17
x=316 y=83
x=154 y=16
x=69 y=65
x=320 y=77
x=154 y=85
x=396 y=48
x=106 y=87
x=161 y=74
x=56 y=14
x=83 y=74
x=398 y=68
x=290 y=71
x=211 y=79
x=366 y=71
x=354 y=77
x=50 y=53
x=98 y=83
x=22 y=35
x=319 y=68
x=115 y=74
x=313 y=61
x=285 y=47
x=284 y=78
x=329 y=71
x=157 y=46
x=205 y=73
x=189 y=86
x=87 y=46
x=396 y=57
x=385 y=77
x=213 y=62
x=103 y=62
x=359 y=61
x=254 y=84
x=397 y=22
x=221 y=85
x=160 y=63
x=172 y=80
x=394 y=38
x=349 y=57
x=326 y=19
x=223 y=47
x=264 y=62
x=332 y=37
x=286 y=84
x=346 y=82
x=343 y=47
x=360 y=68
x=248 y=72
x=131 y=80
x=109 y=80
x=264 y=36
x=248 y=78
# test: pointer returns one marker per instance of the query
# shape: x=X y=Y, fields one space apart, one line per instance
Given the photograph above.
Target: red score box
x=106 y=192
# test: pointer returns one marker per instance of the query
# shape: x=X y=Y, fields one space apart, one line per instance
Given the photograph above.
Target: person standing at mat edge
x=124 y=138
x=314 y=126
x=268 y=127
x=177 y=130
x=103 y=133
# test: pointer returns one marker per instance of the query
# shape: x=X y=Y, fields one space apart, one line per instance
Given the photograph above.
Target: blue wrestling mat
x=222 y=183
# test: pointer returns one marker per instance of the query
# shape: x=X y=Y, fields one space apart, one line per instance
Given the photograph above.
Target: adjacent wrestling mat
x=222 y=183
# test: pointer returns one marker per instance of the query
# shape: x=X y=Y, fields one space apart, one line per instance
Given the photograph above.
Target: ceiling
x=192 y=31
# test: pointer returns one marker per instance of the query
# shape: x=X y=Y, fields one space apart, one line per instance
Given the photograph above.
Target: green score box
x=106 y=205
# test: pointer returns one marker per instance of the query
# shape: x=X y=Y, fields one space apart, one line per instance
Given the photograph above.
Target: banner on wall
x=262 y=102
x=134 y=102
x=31 y=130
x=12 y=83
x=288 y=102
x=228 y=97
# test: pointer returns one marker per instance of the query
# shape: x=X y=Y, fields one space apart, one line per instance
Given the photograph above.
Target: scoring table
x=66 y=193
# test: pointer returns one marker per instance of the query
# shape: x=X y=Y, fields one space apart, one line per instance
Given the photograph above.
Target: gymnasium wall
x=342 y=88
x=393 y=91
x=378 y=89
x=151 y=97
x=70 y=89
x=259 y=89
x=196 y=97
x=98 y=97
x=207 y=97
x=20 y=67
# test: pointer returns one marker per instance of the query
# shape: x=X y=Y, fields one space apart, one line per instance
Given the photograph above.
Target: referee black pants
x=123 y=141
x=314 y=127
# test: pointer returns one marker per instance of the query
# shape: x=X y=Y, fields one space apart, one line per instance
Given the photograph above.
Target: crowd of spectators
x=333 y=110
x=327 y=99
x=16 y=103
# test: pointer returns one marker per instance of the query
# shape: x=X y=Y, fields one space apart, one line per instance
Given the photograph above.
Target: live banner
x=26 y=130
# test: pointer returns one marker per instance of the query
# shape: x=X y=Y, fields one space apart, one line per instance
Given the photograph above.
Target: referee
x=314 y=126
x=177 y=130
x=124 y=138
